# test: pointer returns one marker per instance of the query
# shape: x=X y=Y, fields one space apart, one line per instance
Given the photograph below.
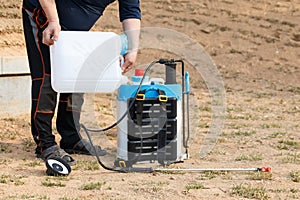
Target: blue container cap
x=151 y=93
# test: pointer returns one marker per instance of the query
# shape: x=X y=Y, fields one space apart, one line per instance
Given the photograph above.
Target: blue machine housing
x=144 y=135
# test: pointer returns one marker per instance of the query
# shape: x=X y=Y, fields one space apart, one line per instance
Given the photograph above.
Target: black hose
x=96 y=152
x=87 y=130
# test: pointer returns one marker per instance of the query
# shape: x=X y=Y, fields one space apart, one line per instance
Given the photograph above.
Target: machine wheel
x=57 y=167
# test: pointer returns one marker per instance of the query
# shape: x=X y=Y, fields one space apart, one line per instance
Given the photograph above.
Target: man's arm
x=130 y=16
x=132 y=29
x=51 y=33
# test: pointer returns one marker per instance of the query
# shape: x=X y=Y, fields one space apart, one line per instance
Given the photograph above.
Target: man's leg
x=68 y=117
x=43 y=96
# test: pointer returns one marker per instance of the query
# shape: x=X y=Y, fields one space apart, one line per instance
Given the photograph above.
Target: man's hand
x=129 y=60
x=131 y=28
x=50 y=34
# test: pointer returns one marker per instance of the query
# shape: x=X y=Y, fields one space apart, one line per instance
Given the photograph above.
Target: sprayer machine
x=156 y=127
x=152 y=113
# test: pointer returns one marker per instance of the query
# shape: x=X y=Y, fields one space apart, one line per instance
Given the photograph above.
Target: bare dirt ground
x=256 y=47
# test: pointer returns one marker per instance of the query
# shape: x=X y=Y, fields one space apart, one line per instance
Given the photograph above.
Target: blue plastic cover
x=129 y=91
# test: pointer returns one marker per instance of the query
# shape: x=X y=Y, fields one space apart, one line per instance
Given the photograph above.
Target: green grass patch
x=31 y=196
x=93 y=186
x=28 y=144
x=205 y=108
x=159 y=183
x=278 y=134
x=87 y=165
x=294 y=190
x=9 y=119
x=234 y=109
x=171 y=171
x=238 y=125
x=194 y=186
x=203 y=125
x=288 y=144
x=34 y=163
x=242 y=117
x=208 y=175
x=271 y=125
x=222 y=140
x=260 y=176
x=4 y=161
x=3 y=147
x=244 y=133
x=4 y=178
x=53 y=183
x=292 y=158
x=16 y=180
x=67 y=198
x=250 y=192
x=251 y=157
x=295 y=90
x=10 y=135
x=295 y=176
x=152 y=186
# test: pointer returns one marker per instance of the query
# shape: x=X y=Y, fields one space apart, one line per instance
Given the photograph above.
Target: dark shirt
x=127 y=8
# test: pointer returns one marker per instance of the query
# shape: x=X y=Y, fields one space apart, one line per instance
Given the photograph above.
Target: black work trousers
x=44 y=98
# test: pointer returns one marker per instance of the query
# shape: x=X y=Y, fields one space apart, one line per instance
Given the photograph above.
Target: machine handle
x=187 y=83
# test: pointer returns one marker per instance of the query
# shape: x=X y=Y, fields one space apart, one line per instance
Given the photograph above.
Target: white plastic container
x=87 y=62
